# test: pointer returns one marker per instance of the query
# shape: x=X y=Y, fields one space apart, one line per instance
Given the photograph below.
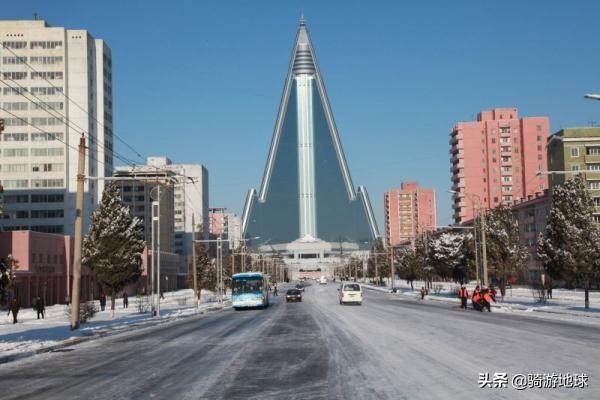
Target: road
x=388 y=348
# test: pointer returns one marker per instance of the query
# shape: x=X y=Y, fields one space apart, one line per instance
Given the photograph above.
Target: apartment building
x=409 y=211
x=55 y=83
x=496 y=159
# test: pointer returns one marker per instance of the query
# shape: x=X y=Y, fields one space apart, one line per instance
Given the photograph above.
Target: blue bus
x=250 y=290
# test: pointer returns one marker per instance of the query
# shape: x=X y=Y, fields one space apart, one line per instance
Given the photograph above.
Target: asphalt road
x=388 y=348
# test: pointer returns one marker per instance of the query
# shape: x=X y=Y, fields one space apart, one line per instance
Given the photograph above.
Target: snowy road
x=389 y=347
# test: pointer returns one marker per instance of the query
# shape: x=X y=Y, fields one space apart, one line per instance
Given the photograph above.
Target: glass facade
x=307 y=192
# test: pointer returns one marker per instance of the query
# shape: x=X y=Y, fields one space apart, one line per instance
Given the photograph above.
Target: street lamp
x=483 y=243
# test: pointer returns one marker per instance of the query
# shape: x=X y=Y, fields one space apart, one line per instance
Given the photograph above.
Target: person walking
x=102 y=302
x=39 y=307
x=477 y=299
x=125 y=300
x=422 y=292
x=14 y=307
x=463 y=295
x=275 y=289
x=487 y=300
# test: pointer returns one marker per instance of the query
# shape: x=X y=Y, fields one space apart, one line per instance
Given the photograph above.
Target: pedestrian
x=477 y=299
x=102 y=301
x=39 y=307
x=487 y=299
x=549 y=292
x=463 y=294
x=422 y=292
x=125 y=300
x=275 y=289
x=14 y=307
x=162 y=295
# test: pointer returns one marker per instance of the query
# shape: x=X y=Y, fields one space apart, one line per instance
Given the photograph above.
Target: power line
x=76 y=104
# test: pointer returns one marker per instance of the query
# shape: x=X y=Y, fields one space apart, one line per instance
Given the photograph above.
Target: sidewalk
x=520 y=299
x=32 y=336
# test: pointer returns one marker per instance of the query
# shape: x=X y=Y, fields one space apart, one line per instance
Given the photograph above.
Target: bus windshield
x=247 y=285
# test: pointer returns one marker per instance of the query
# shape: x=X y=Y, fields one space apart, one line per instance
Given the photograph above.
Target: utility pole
x=194 y=269
x=475 y=213
x=392 y=271
x=158 y=251
x=484 y=250
x=78 y=240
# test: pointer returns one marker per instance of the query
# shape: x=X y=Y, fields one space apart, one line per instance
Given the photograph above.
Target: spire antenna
x=302 y=20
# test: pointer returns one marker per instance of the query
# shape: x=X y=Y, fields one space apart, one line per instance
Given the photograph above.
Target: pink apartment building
x=495 y=160
x=408 y=212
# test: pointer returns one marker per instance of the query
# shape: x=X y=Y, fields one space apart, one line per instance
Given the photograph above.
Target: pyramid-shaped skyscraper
x=307 y=195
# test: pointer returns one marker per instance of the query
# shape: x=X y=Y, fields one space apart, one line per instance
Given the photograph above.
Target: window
x=16 y=152
x=539 y=147
x=506 y=159
x=596 y=218
x=507 y=198
x=574 y=151
x=17 y=91
x=48 y=229
x=47 y=75
x=505 y=148
x=47 y=198
x=46 y=121
x=540 y=157
x=16 y=199
x=506 y=169
x=45 y=91
x=507 y=179
x=15 y=183
x=55 y=151
x=575 y=167
x=504 y=129
x=15 y=121
x=505 y=140
x=596 y=201
x=47 y=183
x=593 y=151
x=45 y=60
x=15 y=137
x=594 y=185
x=15 y=75
x=46 y=136
x=47 y=213
x=506 y=188
x=14 y=45
x=539 y=138
x=50 y=105
x=56 y=167
x=16 y=106
x=14 y=168
x=45 y=45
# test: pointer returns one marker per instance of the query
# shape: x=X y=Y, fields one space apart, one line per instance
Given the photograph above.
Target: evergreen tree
x=506 y=256
x=114 y=243
x=206 y=271
x=570 y=247
x=410 y=269
x=8 y=266
x=446 y=254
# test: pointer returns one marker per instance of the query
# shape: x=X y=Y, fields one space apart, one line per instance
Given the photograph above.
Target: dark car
x=300 y=287
x=293 y=295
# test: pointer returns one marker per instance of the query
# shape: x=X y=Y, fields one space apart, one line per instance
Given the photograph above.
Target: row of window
x=24 y=106
x=36 y=91
x=35 y=136
x=25 y=214
x=20 y=75
x=36 y=121
x=36 y=228
x=50 y=258
x=35 y=183
x=590 y=151
x=48 y=167
x=42 y=60
x=42 y=152
x=35 y=198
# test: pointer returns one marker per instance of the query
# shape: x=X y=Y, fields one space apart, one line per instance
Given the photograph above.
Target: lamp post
x=483 y=239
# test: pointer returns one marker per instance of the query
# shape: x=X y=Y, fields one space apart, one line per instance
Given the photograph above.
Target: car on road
x=293 y=295
x=323 y=281
x=300 y=287
x=350 y=292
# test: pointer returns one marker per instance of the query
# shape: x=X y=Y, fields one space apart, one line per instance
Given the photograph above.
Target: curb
x=102 y=334
x=502 y=306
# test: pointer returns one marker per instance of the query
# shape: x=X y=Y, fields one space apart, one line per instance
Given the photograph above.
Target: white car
x=350 y=292
x=323 y=281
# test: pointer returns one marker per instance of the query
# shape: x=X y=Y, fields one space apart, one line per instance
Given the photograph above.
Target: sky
x=201 y=81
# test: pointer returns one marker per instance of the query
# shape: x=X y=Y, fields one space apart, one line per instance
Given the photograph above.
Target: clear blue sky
x=201 y=81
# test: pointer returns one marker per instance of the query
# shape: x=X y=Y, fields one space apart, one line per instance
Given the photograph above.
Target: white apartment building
x=189 y=198
x=55 y=83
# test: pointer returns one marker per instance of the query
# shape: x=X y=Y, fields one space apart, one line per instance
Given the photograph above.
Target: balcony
x=592 y=158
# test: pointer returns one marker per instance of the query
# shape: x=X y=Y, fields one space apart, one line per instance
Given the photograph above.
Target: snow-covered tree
x=409 y=267
x=570 y=247
x=8 y=266
x=114 y=244
x=506 y=256
x=446 y=253
x=206 y=271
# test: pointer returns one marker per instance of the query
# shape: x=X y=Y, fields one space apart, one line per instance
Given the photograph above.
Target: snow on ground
x=31 y=334
x=518 y=299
